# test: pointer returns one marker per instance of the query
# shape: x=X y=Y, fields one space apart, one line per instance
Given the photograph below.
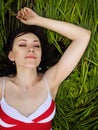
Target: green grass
x=77 y=98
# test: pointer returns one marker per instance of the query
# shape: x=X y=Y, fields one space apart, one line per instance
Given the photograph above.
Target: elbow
x=89 y=32
x=85 y=37
x=88 y=35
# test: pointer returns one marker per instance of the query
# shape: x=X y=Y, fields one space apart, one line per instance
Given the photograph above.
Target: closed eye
x=22 y=45
x=37 y=46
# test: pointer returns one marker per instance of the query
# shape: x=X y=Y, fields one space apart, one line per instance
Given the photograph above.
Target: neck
x=26 y=77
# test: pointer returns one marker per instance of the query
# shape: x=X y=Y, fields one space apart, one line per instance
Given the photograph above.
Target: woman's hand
x=27 y=16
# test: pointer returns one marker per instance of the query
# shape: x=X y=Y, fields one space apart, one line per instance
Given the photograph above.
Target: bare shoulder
x=1 y=82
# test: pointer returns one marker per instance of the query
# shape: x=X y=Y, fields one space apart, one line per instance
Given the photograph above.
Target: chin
x=31 y=66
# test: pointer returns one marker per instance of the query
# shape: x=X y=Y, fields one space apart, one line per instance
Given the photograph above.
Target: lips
x=30 y=57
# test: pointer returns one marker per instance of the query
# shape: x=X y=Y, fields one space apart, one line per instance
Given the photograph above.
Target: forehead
x=27 y=37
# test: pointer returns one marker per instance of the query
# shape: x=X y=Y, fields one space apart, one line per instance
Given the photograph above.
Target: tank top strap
x=45 y=80
x=3 y=86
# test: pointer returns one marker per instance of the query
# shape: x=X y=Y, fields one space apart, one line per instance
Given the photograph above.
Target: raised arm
x=80 y=39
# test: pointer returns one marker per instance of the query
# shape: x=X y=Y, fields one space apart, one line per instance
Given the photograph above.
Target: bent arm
x=80 y=39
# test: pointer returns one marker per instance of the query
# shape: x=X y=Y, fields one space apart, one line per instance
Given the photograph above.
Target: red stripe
x=21 y=125
x=46 y=113
x=6 y=118
x=33 y=126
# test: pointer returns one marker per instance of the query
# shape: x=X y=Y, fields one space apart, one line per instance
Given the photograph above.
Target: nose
x=30 y=49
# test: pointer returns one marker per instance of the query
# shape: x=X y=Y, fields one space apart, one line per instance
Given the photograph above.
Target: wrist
x=40 y=21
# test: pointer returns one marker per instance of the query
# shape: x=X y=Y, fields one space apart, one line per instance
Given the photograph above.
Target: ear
x=11 y=56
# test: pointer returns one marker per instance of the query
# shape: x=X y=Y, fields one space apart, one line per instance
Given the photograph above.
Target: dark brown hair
x=49 y=52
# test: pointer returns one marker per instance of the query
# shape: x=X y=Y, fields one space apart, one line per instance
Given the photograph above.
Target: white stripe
x=45 y=106
x=2 y=123
x=48 y=118
x=13 y=113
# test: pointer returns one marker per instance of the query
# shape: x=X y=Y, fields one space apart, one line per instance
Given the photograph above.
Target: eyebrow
x=21 y=40
x=26 y=40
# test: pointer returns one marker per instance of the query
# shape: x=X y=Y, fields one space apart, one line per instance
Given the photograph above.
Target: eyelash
x=38 y=46
x=22 y=45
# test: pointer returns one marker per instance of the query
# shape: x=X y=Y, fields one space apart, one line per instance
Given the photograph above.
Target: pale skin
x=28 y=87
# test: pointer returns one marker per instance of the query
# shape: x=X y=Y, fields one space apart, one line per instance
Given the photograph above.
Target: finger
x=25 y=10
x=28 y=11
x=23 y=20
x=20 y=13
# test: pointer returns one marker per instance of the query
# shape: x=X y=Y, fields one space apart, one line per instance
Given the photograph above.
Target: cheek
x=40 y=54
x=17 y=53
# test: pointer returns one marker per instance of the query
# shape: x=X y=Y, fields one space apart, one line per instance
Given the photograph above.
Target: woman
x=27 y=98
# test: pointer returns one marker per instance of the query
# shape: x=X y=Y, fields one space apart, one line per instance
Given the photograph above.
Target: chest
x=26 y=101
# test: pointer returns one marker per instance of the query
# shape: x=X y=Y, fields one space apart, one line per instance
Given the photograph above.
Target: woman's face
x=26 y=51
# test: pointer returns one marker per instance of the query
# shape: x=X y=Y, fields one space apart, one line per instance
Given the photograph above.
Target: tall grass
x=77 y=98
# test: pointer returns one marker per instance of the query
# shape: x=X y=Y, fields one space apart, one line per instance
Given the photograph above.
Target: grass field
x=77 y=98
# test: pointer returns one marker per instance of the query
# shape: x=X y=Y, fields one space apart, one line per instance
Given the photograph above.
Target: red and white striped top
x=41 y=119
